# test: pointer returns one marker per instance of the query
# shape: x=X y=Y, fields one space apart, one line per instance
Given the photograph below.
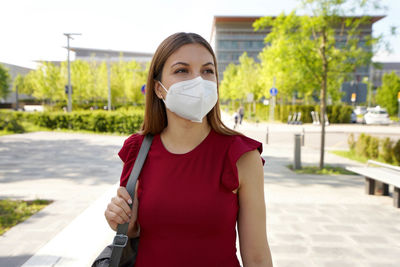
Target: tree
x=317 y=51
x=242 y=79
x=4 y=82
x=229 y=85
x=386 y=96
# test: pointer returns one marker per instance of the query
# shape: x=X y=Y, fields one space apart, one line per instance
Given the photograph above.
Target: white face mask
x=191 y=99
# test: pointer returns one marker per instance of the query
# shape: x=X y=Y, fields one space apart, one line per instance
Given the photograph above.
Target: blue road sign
x=143 y=89
x=66 y=89
x=273 y=91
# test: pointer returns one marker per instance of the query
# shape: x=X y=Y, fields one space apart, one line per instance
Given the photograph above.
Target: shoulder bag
x=122 y=252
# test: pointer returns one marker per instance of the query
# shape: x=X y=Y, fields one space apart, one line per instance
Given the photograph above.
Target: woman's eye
x=209 y=71
x=181 y=71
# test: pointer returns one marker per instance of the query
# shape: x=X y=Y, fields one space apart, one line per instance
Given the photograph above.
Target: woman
x=198 y=172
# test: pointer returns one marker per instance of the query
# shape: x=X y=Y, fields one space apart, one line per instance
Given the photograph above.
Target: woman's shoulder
x=239 y=142
x=134 y=139
x=131 y=144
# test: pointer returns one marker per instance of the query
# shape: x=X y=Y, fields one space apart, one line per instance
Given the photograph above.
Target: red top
x=187 y=210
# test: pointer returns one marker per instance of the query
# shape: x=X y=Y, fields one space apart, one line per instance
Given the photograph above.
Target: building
x=110 y=55
x=14 y=70
x=107 y=55
x=231 y=36
x=384 y=67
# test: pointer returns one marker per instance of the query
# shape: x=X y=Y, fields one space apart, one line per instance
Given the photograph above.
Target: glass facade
x=235 y=35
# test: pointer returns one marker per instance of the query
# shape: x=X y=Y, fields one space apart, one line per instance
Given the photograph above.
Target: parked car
x=377 y=115
x=360 y=110
x=353 y=117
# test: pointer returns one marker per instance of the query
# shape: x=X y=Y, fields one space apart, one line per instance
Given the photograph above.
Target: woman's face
x=186 y=63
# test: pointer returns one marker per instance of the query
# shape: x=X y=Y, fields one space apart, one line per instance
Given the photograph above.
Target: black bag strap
x=121 y=239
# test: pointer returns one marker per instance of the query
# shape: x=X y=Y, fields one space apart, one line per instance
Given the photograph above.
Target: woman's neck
x=181 y=136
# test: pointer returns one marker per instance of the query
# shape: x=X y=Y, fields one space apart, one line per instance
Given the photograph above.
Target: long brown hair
x=155 y=116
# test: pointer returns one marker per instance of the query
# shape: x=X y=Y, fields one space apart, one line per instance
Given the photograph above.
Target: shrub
x=9 y=121
x=362 y=145
x=373 y=148
x=396 y=152
x=386 y=151
x=125 y=121
x=351 y=141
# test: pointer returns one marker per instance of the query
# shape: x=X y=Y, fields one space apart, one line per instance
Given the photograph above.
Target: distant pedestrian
x=236 y=119
x=241 y=113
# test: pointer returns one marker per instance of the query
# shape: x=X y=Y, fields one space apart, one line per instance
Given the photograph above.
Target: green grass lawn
x=328 y=170
x=350 y=155
x=13 y=212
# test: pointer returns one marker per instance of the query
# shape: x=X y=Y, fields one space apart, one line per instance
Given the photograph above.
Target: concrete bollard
x=267 y=136
x=297 y=152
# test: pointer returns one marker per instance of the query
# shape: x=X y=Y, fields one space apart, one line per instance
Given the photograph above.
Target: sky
x=32 y=30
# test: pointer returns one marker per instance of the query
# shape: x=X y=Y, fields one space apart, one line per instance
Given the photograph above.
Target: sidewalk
x=73 y=170
x=312 y=220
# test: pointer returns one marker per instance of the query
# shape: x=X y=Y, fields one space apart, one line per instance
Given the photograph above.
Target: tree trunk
x=323 y=95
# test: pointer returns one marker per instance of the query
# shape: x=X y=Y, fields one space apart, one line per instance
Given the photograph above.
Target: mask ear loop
x=164 y=90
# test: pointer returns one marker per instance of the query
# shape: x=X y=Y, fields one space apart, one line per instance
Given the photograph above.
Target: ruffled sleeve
x=238 y=146
x=128 y=154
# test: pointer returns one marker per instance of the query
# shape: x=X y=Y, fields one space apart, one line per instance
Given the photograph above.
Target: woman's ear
x=158 y=89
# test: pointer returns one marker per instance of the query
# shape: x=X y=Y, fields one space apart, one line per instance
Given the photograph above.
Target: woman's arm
x=252 y=218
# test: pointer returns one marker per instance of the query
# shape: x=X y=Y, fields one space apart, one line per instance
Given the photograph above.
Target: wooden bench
x=384 y=175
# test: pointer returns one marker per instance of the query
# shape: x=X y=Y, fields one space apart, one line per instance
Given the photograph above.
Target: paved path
x=312 y=220
x=74 y=170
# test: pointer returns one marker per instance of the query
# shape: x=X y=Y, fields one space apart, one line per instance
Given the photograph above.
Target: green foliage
x=336 y=113
x=89 y=81
x=13 y=212
x=351 y=141
x=240 y=80
x=327 y=170
x=362 y=145
x=4 y=81
x=10 y=122
x=369 y=147
x=124 y=121
x=386 y=96
x=396 y=152
x=299 y=46
x=386 y=151
x=350 y=154
x=373 y=148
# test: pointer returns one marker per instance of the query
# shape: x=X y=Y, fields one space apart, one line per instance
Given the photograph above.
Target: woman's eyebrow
x=186 y=64
x=180 y=63
x=208 y=63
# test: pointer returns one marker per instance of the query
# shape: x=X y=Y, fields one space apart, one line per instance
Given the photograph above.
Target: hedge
x=125 y=122
x=375 y=148
x=336 y=113
x=11 y=122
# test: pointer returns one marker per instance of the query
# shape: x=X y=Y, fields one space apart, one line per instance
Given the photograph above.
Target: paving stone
x=288 y=249
x=324 y=219
x=328 y=238
x=341 y=228
x=307 y=228
x=338 y=263
x=369 y=239
x=290 y=238
x=383 y=264
x=386 y=252
x=336 y=252
x=291 y=263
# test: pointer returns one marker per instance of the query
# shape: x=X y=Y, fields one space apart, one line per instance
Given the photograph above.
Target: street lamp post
x=69 y=71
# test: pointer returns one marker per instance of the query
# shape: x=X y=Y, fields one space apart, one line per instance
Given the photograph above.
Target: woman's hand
x=118 y=211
